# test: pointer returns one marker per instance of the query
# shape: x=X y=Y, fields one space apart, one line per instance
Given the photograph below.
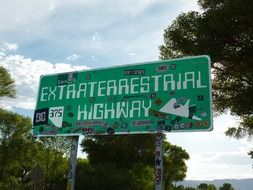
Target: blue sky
x=41 y=37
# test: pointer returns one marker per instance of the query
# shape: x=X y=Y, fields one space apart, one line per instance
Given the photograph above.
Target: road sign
x=169 y=95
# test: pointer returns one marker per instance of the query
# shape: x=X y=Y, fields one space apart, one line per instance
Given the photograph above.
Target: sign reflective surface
x=170 y=95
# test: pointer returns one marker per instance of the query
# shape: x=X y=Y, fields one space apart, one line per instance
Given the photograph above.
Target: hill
x=238 y=184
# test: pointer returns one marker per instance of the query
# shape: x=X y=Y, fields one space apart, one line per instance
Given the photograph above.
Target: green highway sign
x=169 y=95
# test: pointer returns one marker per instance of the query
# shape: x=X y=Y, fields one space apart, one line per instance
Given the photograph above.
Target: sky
x=53 y=36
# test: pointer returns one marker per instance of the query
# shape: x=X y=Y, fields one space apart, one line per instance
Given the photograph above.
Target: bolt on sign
x=170 y=95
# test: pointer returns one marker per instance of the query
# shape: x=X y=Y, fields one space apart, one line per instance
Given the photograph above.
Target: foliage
x=13 y=130
x=132 y=158
x=174 y=164
x=25 y=162
x=189 y=188
x=226 y=186
x=103 y=176
x=251 y=154
x=21 y=156
x=180 y=187
x=54 y=163
x=7 y=87
x=122 y=151
x=203 y=186
x=211 y=187
x=223 y=30
x=58 y=144
x=126 y=162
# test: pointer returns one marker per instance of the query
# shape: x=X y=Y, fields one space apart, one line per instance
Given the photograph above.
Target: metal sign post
x=159 y=161
x=73 y=160
x=169 y=95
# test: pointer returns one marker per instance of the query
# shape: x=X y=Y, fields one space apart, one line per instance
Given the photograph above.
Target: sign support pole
x=159 y=161
x=73 y=160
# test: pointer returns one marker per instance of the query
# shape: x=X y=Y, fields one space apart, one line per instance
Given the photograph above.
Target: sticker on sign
x=56 y=115
x=169 y=95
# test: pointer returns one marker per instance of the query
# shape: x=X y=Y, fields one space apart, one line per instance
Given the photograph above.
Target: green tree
x=131 y=157
x=14 y=130
x=226 y=186
x=7 y=87
x=20 y=154
x=211 y=187
x=120 y=150
x=189 y=188
x=203 y=186
x=224 y=31
x=174 y=164
x=180 y=187
x=53 y=160
x=123 y=162
x=84 y=174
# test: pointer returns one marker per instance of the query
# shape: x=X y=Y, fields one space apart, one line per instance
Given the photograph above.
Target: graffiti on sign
x=126 y=99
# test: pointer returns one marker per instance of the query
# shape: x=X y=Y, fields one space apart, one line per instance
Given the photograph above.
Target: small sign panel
x=170 y=95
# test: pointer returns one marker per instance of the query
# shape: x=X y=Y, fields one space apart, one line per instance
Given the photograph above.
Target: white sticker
x=56 y=115
x=172 y=107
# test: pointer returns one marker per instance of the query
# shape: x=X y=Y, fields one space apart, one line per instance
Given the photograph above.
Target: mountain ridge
x=238 y=184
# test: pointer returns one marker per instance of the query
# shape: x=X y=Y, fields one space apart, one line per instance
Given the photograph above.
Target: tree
x=53 y=160
x=21 y=154
x=174 y=164
x=123 y=162
x=13 y=128
x=7 y=87
x=205 y=186
x=189 y=188
x=120 y=150
x=211 y=187
x=180 y=187
x=226 y=186
x=224 y=31
x=131 y=157
x=202 y=186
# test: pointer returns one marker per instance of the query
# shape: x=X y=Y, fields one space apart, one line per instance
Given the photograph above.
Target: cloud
x=73 y=57
x=96 y=41
x=213 y=155
x=96 y=37
x=220 y=165
x=10 y=46
x=132 y=54
x=7 y=47
x=26 y=73
x=32 y=12
x=54 y=29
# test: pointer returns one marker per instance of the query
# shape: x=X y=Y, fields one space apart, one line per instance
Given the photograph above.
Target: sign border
x=136 y=64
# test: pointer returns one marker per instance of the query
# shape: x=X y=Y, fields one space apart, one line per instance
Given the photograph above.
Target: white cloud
x=219 y=165
x=23 y=13
x=96 y=37
x=108 y=30
x=73 y=57
x=27 y=12
x=7 y=47
x=26 y=73
x=213 y=155
x=132 y=54
x=10 y=46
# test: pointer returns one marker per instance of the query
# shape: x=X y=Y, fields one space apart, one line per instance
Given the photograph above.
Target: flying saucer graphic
x=173 y=107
